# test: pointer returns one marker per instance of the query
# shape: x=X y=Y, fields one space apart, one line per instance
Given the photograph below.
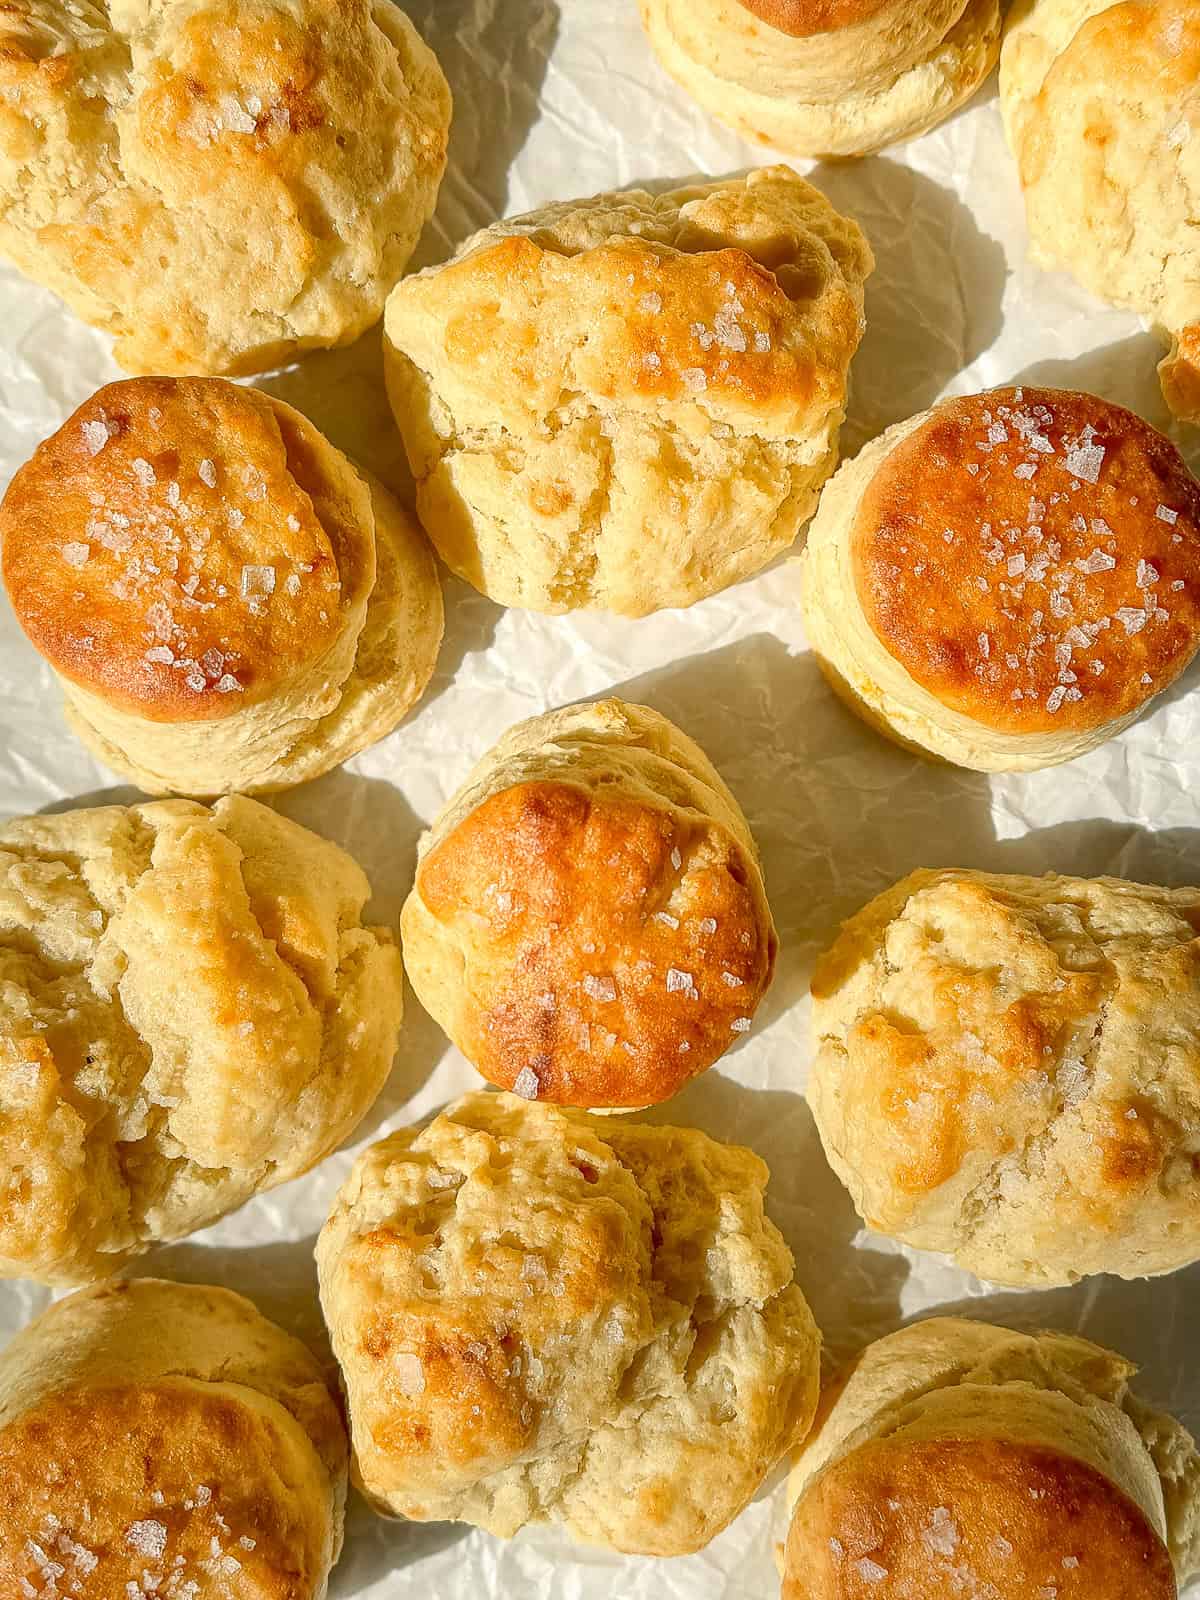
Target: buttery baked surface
x=219 y=184
x=165 y=1439
x=1099 y=107
x=1006 y=580
x=629 y=402
x=589 y=922
x=960 y=1458
x=545 y=1316
x=190 y=1012
x=229 y=603
x=1006 y=1072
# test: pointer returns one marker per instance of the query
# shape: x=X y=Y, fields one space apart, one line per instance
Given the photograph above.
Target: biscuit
x=164 y=1439
x=543 y=1316
x=227 y=603
x=190 y=1012
x=1005 y=1072
x=629 y=403
x=219 y=184
x=589 y=923
x=1006 y=580
x=960 y=1459
x=826 y=77
x=1102 y=115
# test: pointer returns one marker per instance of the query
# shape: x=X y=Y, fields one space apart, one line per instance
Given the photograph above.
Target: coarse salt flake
x=147 y=1538
x=208 y=472
x=76 y=554
x=1165 y=514
x=678 y=982
x=1084 y=461
x=526 y=1084
x=95 y=436
x=740 y=1025
x=599 y=988
x=257 y=580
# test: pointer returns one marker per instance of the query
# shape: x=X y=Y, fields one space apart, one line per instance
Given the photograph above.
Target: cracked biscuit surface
x=190 y=1012
x=957 y=1459
x=543 y=1316
x=1101 y=105
x=1008 y=1071
x=220 y=184
x=631 y=402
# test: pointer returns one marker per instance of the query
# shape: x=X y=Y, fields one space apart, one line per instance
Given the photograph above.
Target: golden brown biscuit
x=630 y=402
x=162 y=1439
x=220 y=184
x=826 y=77
x=1006 y=580
x=1006 y=1071
x=229 y=606
x=190 y=1012
x=1102 y=112
x=547 y=1317
x=962 y=1459
x=589 y=923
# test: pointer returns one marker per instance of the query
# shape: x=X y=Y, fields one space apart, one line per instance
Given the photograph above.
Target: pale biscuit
x=957 y=1458
x=1006 y=1072
x=629 y=403
x=228 y=604
x=588 y=922
x=1005 y=581
x=543 y=1316
x=190 y=1012
x=165 y=1440
x=220 y=184
x=1101 y=104
x=826 y=77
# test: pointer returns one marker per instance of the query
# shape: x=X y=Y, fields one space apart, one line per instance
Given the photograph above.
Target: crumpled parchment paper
x=563 y=99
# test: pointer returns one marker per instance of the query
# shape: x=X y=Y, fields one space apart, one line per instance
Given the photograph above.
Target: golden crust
x=219 y=183
x=186 y=547
x=586 y=934
x=947 y=1517
x=193 y=1469
x=134 y=1109
x=1005 y=1072
x=799 y=19
x=544 y=1316
x=1031 y=557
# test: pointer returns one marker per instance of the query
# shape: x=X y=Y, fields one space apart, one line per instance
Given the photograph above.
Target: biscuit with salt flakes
x=1101 y=105
x=190 y=1012
x=220 y=184
x=630 y=402
x=958 y=1459
x=1006 y=1072
x=543 y=1316
x=227 y=603
x=1005 y=581
x=163 y=1441
x=588 y=922
x=826 y=77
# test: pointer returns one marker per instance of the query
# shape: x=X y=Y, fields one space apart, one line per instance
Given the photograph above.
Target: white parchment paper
x=563 y=99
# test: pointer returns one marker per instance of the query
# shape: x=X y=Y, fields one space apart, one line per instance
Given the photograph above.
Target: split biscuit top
x=826 y=77
x=956 y=1458
x=1006 y=580
x=1006 y=1071
x=165 y=1440
x=220 y=184
x=589 y=922
x=210 y=578
x=629 y=402
x=1102 y=113
x=544 y=1316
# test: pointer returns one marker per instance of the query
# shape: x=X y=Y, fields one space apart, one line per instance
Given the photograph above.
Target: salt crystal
x=731 y=980
x=1098 y=561
x=707 y=925
x=213 y=662
x=694 y=379
x=942 y=1535
x=196 y=681
x=684 y=1048
x=95 y=436
x=599 y=988
x=228 y=684
x=666 y=919
x=1132 y=619
x=235 y=116
x=870 y=1571
x=143 y=472
x=1084 y=461
x=1070 y=1562
x=208 y=472
x=678 y=982
x=75 y=554
x=257 y=580
x=762 y=342
x=1147 y=575
x=174 y=496
x=740 y=1025
x=1165 y=514
x=838 y=1548
x=985 y=646
x=676 y=860
x=410 y=1374
x=526 y=1084
x=729 y=334
x=1147 y=679
x=148 y=1538
x=973 y=468
x=1057 y=696
x=1001 y=1545
x=235 y=517
x=1025 y=470
x=1016 y=565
